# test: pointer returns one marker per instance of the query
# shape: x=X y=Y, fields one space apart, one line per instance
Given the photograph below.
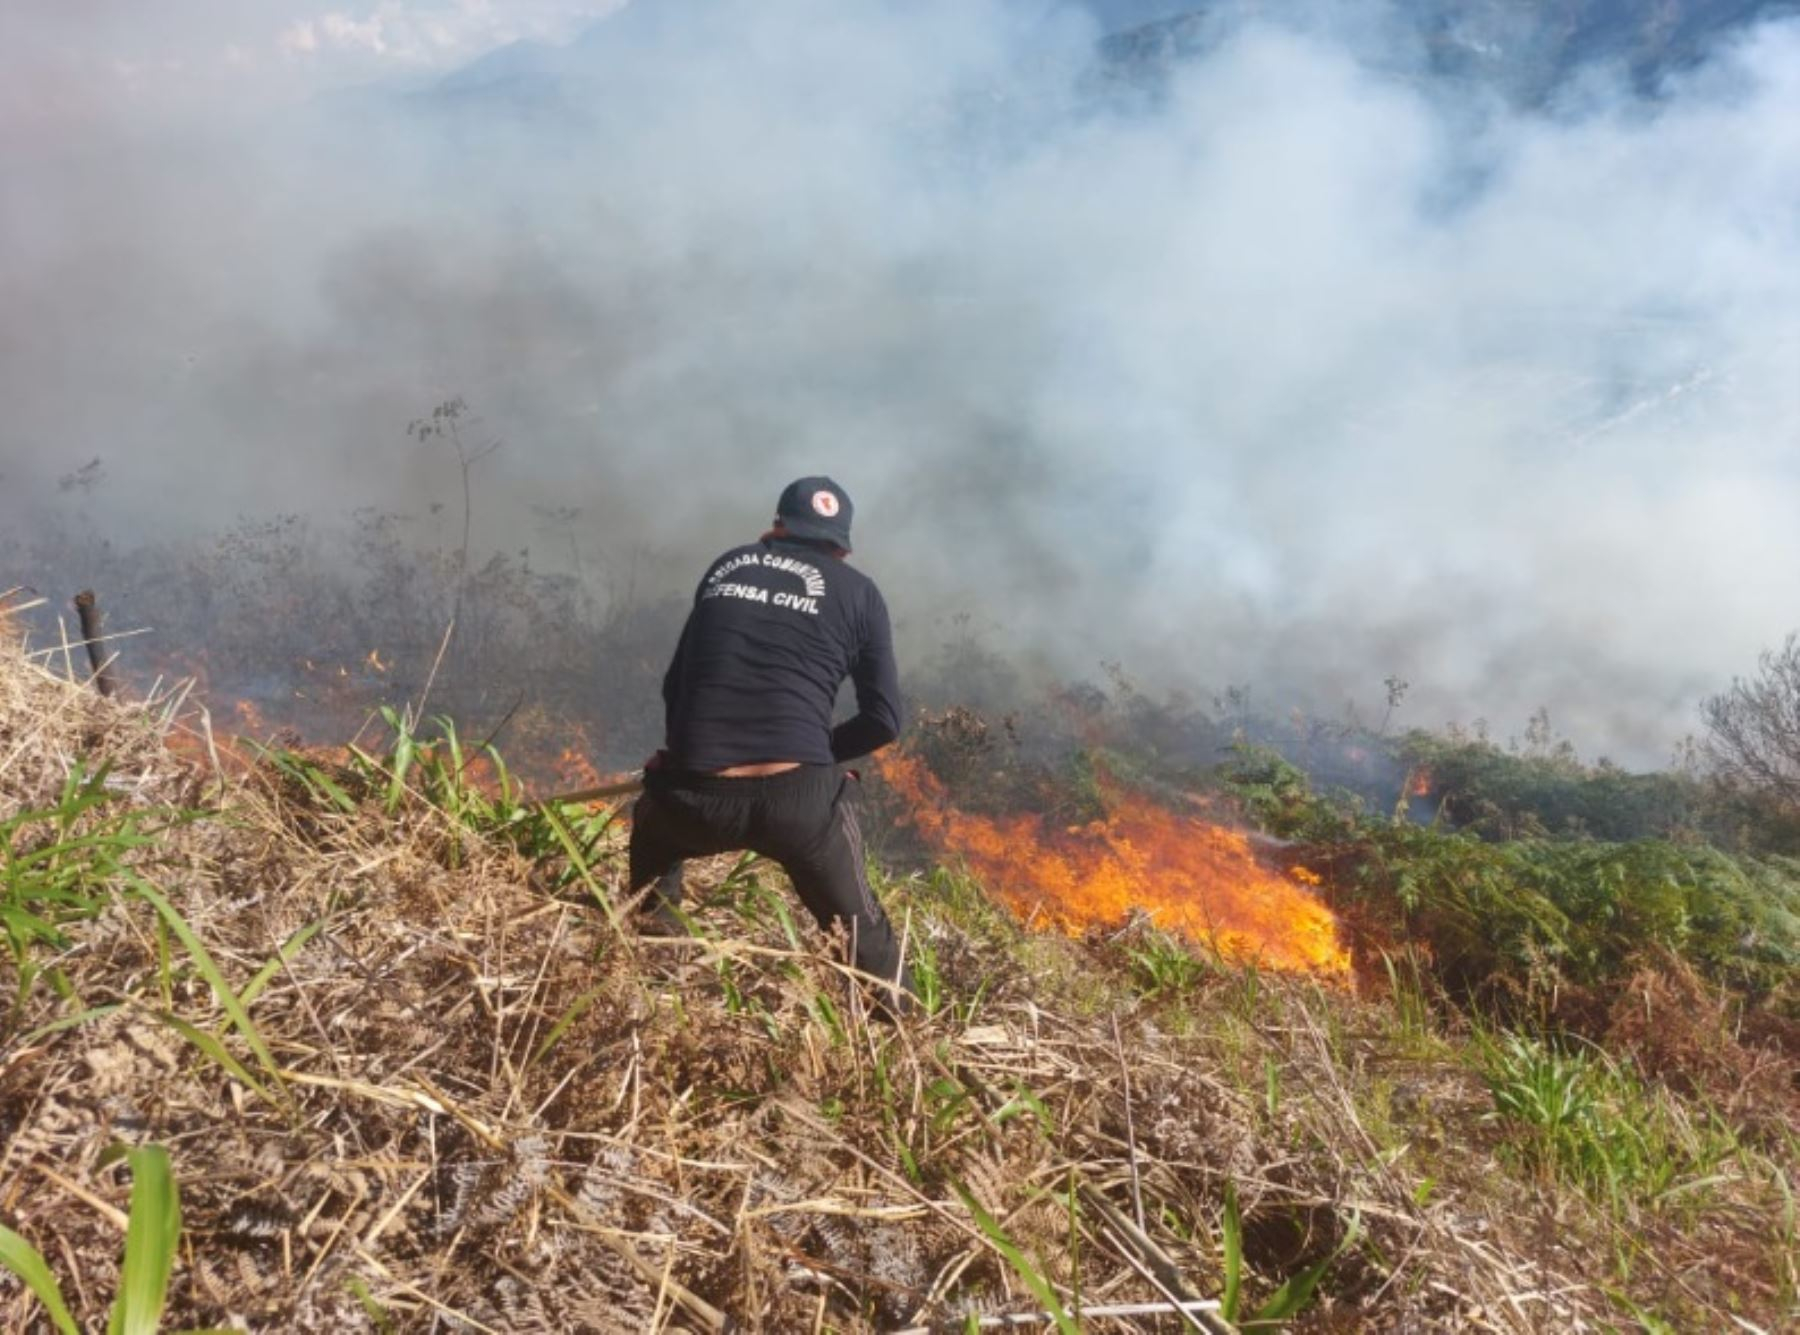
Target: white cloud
x=439 y=33
x=300 y=38
x=344 y=31
x=236 y=55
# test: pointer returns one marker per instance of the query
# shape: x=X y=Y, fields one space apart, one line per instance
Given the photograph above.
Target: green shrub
x=1501 y=915
x=1578 y=1116
x=1503 y=794
x=57 y=865
x=1162 y=964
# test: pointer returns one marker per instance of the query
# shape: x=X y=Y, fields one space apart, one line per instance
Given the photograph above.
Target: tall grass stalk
x=1406 y=997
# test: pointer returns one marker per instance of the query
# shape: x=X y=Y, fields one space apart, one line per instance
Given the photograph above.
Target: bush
x=1501 y=794
x=1507 y=917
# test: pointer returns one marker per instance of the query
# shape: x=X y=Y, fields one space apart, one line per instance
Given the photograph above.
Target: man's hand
x=657 y=761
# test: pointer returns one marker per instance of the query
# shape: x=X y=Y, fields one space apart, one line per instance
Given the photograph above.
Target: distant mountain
x=519 y=60
x=640 y=23
x=1524 y=48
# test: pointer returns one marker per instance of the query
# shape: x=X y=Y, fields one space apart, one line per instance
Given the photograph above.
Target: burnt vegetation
x=293 y=624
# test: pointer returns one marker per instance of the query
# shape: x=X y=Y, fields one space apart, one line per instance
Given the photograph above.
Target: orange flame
x=250 y=718
x=1190 y=876
x=572 y=769
x=325 y=704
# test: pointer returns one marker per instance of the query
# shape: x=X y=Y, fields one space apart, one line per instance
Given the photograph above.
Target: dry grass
x=496 y=1111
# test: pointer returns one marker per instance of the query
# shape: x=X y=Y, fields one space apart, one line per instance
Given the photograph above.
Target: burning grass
x=413 y=1070
x=1186 y=874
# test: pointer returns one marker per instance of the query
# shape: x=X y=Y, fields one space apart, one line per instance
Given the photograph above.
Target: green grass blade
x=67 y=1022
x=324 y=782
x=405 y=751
x=1024 y=1100
x=150 y=1237
x=577 y=860
x=211 y=1047
x=1652 y=1323
x=29 y=927
x=561 y=1027
x=289 y=948
x=111 y=840
x=25 y=1261
x=785 y=919
x=377 y=1314
x=1293 y=1296
x=234 y=1007
x=318 y=785
x=503 y=776
x=1233 y=1229
x=1033 y=1277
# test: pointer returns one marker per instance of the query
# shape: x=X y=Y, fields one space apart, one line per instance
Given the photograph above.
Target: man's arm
x=877 y=680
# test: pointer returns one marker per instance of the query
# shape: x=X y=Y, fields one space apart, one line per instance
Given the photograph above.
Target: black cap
x=816 y=508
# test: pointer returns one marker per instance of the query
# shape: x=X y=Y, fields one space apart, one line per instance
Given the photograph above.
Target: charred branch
x=88 y=609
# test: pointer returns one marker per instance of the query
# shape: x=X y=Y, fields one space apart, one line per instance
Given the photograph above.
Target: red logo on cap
x=825 y=503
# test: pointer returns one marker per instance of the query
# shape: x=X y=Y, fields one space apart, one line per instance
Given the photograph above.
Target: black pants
x=804 y=819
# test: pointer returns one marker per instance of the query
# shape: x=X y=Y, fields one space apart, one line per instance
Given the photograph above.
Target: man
x=751 y=756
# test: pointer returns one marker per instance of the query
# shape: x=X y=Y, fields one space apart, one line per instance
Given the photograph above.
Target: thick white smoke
x=1309 y=370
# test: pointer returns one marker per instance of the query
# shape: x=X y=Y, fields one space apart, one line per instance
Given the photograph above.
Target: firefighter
x=751 y=758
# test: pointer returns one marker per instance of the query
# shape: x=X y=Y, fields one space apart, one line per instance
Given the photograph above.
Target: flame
x=323 y=705
x=573 y=769
x=1189 y=875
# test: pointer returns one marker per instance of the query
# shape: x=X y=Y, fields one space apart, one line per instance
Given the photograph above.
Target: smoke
x=1300 y=366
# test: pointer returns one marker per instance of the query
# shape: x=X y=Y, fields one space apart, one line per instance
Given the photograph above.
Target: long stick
x=619 y=788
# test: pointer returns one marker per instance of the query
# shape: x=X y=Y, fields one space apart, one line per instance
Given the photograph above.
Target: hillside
x=413 y=1069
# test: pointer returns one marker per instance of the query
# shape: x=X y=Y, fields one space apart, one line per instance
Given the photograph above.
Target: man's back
x=776 y=627
x=750 y=754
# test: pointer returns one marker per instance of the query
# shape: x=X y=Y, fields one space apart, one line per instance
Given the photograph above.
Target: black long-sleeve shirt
x=775 y=629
